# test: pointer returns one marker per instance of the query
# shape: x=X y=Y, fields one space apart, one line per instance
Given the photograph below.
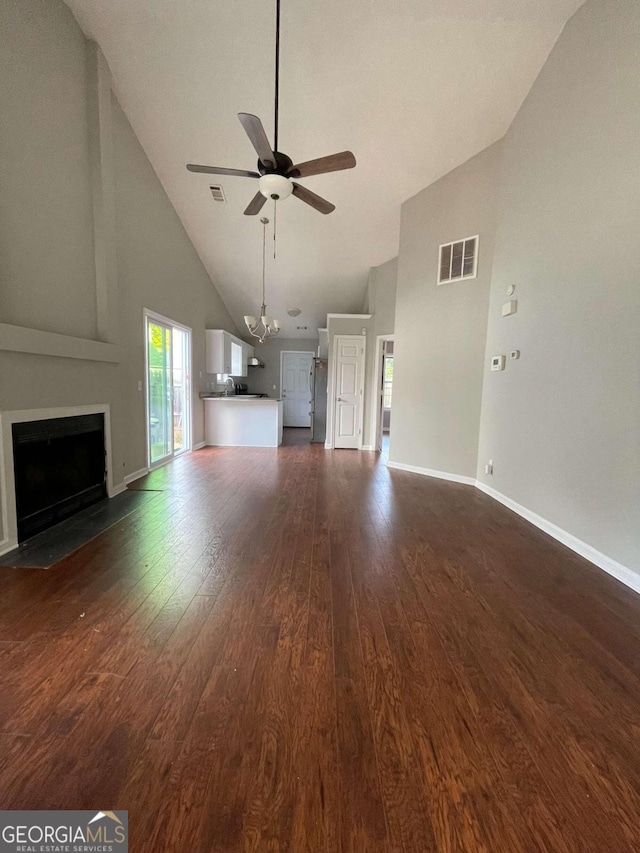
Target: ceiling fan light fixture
x=276 y=187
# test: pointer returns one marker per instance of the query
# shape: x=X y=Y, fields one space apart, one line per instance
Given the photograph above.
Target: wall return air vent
x=217 y=192
x=458 y=260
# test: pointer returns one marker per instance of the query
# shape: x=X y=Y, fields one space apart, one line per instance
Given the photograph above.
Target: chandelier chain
x=264 y=256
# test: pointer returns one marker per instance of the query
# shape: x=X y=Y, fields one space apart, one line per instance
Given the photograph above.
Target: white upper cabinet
x=226 y=354
x=236 y=359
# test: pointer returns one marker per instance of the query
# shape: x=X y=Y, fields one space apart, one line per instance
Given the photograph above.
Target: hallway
x=301 y=650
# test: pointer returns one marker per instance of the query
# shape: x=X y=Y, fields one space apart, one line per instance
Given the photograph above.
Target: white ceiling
x=412 y=87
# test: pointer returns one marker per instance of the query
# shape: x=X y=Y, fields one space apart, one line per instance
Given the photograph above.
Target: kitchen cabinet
x=240 y=421
x=247 y=353
x=226 y=354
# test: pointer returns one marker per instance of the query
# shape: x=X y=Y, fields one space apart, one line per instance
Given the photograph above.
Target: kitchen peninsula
x=242 y=421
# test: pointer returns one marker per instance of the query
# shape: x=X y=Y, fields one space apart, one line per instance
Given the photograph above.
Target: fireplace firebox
x=59 y=467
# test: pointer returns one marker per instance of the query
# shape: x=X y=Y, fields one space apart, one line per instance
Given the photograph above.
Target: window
x=387 y=381
x=458 y=260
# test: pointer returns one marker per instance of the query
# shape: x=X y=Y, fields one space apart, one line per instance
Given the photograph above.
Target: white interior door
x=296 y=388
x=348 y=403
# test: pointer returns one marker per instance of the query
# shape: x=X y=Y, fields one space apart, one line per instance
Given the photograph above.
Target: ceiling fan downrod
x=277 y=77
x=276 y=172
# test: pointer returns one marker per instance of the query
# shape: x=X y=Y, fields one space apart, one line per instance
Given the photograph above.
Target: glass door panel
x=180 y=413
x=169 y=389
x=160 y=391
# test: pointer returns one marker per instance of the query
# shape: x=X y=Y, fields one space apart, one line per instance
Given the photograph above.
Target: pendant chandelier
x=262 y=327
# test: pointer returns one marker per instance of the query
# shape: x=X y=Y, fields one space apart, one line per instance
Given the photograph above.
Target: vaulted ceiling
x=412 y=87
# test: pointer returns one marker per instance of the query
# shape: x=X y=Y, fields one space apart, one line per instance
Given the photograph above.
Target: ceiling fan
x=276 y=171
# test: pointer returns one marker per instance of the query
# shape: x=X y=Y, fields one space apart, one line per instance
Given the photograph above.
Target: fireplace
x=59 y=469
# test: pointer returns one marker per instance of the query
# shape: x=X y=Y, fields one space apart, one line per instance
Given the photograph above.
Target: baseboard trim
x=622 y=573
x=118 y=490
x=6 y=546
x=429 y=472
x=328 y=446
x=367 y=447
x=135 y=475
x=199 y=446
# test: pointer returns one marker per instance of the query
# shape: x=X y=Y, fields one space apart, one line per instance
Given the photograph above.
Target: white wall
x=54 y=242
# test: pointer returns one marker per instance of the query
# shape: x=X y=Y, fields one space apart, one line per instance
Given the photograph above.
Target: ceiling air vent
x=217 y=192
x=458 y=260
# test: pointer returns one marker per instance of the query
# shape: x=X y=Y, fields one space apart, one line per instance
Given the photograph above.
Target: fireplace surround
x=43 y=421
x=58 y=467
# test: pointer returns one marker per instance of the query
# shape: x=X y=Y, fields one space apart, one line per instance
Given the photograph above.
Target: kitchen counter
x=243 y=421
x=241 y=398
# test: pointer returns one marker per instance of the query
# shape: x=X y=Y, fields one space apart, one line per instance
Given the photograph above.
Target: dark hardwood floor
x=301 y=650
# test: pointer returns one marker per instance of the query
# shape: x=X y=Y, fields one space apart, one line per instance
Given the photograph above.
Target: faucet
x=228 y=386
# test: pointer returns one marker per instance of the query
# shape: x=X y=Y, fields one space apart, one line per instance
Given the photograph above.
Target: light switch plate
x=498 y=362
x=509 y=307
x=515 y=353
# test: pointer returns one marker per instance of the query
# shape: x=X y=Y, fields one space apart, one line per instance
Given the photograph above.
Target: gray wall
x=262 y=379
x=46 y=218
x=562 y=423
x=381 y=296
x=440 y=330
x=47 y=263
x=159 y=269
x=563 y=188
x=380 y=300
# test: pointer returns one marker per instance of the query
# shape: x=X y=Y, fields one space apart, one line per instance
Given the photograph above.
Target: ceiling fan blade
x=255 y=131
x=314 y=200
x=219 y=170
x=332 y=163
x=255 y=205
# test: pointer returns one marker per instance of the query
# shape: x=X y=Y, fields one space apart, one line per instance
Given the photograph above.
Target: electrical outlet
x=488 y=468
x=139 y=384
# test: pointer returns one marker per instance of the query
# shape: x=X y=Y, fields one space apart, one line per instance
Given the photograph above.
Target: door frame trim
x=376 y=407
x=329 y=444
x=313 y=355
x=148 y=314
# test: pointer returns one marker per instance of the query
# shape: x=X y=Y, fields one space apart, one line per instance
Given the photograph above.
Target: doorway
x=348 y=391
x=296 y=371
x=382 y=401
x=168 y=358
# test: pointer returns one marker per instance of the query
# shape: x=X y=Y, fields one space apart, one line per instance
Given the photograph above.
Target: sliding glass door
x=168 y=389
